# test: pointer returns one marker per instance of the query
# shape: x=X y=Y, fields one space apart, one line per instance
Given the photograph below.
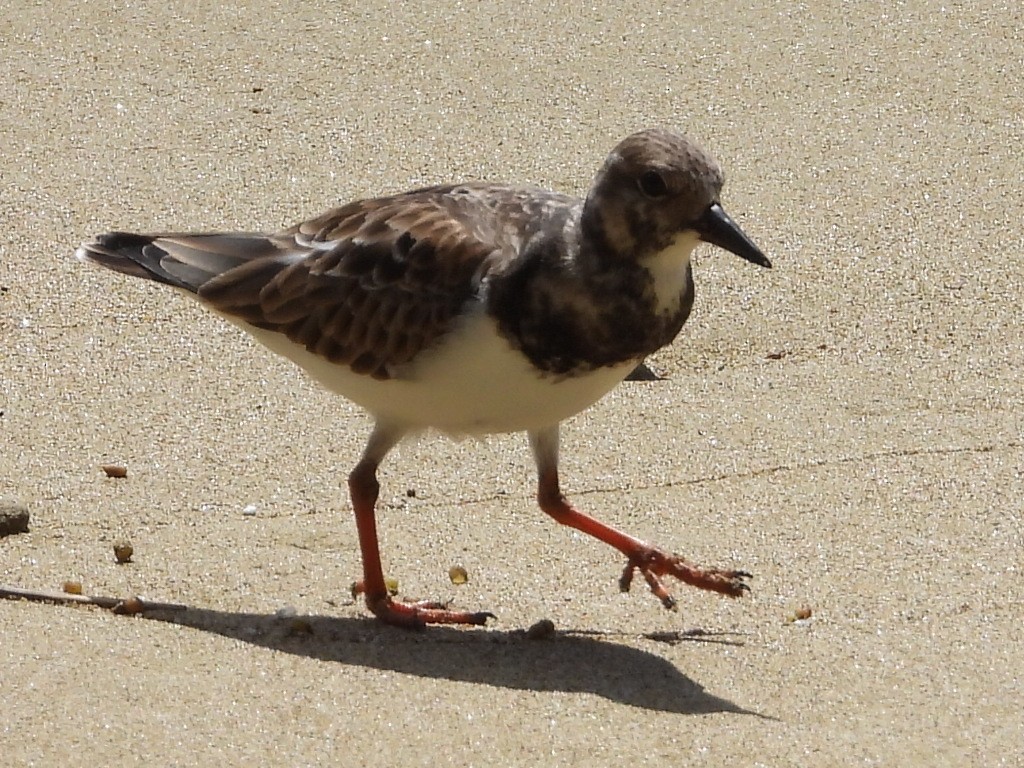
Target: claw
x=626 y=579
x=653 y=563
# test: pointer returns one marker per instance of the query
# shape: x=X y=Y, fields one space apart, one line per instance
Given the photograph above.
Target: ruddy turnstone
x=472 y=309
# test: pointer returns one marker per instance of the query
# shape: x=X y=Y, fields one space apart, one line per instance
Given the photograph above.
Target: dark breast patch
x=566 y=325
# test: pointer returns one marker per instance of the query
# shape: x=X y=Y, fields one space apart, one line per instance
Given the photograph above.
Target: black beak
x=717 y=228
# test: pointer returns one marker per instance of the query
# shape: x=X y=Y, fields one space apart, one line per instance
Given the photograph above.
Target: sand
x=846 y=426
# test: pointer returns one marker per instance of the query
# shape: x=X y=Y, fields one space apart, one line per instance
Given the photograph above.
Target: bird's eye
x=652 y=184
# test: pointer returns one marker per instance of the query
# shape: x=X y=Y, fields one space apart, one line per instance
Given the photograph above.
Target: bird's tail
x=185 y=261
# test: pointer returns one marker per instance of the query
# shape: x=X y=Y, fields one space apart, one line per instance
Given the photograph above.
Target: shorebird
x=472 y=309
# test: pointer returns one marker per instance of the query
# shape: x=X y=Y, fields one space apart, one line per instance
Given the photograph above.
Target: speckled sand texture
x=847 y=426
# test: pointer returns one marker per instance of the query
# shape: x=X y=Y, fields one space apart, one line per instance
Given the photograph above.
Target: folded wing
x=368 y=285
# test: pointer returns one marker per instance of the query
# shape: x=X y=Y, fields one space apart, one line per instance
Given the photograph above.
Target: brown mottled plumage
x=472 y=308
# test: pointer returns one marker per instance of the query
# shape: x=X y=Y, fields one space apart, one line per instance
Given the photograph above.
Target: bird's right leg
x=364 y=490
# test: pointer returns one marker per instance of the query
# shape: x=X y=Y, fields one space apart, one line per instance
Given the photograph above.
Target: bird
x=472 y=309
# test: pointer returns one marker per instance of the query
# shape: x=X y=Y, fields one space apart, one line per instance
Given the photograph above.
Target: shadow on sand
x=577 y=662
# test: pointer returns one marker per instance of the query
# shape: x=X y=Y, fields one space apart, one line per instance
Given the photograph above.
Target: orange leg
x=650 y=562
x=364 y=490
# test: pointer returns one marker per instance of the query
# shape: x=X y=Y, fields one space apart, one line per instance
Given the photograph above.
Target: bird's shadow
x=569 y=661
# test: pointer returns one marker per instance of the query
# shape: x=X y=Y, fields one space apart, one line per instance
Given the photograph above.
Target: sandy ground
x=847 y=426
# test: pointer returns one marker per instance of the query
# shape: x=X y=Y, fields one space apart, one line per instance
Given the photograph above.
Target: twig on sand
x=128 y=605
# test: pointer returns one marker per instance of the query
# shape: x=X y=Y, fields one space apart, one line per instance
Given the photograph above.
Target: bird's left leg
x=652 y=563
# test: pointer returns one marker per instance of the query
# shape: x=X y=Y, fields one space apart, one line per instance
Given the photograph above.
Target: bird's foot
x=417 y=615
x=653 y=564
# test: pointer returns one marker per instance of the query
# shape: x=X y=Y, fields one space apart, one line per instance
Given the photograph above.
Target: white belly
x=473 y=383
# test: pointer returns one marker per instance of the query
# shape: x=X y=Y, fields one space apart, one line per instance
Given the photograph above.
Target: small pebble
x=114 y=470
x=390 y=584
x=129 y=607
x=123 y=551
x=297 y=625
x=72 y=587
x=300 y=625
x=800 y=614
x=541 y=630
x=458 y=574
x=249 y=510
x=13 y=518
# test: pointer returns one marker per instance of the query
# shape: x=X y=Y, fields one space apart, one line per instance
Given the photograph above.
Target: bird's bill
x=717 y=228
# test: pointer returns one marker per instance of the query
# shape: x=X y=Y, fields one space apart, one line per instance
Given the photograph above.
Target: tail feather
x=184 y=261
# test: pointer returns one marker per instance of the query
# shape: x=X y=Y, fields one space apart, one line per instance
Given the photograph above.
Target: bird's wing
x=368 y=285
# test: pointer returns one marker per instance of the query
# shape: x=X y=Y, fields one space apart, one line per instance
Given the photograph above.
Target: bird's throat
x=669 y=269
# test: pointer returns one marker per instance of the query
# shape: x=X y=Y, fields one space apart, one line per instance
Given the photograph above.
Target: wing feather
x=377 y=282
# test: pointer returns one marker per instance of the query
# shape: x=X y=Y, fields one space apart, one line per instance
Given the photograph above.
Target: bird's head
x=655 y=187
